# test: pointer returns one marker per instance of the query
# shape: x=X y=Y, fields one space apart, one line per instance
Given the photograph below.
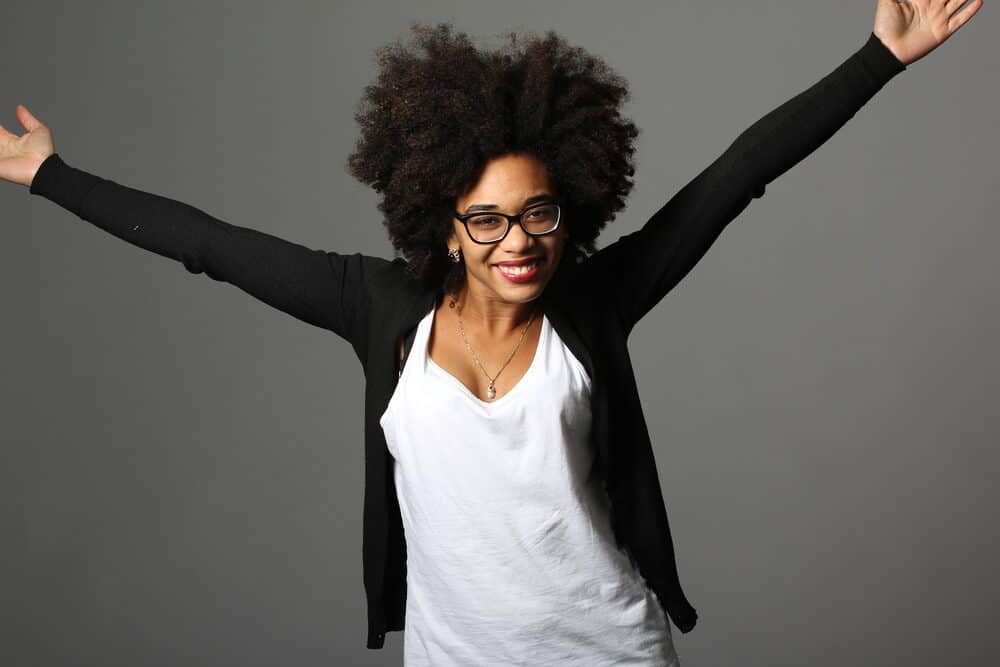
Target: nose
x=517 y=240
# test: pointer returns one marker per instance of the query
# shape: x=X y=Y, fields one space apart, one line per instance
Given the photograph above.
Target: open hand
x=913 y=28
x=21 y=156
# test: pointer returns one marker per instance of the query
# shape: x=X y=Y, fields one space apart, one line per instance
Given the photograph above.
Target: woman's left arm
x=640 y=268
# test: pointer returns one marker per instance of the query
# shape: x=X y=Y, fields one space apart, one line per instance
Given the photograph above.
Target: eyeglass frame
x=511 y=219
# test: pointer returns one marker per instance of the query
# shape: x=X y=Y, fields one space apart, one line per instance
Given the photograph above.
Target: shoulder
x=391 y=284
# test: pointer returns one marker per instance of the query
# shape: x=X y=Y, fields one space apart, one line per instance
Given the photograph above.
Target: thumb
x=30 y=122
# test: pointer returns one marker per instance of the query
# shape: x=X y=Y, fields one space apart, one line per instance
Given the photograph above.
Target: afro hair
x=441 y=108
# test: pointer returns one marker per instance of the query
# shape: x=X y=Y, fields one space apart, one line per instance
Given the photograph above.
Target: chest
x=474 y=358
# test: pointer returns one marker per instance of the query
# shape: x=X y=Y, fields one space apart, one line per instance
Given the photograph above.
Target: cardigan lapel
x=415 y=311
x=406 y=327
x=561 y=322
x=556 y=309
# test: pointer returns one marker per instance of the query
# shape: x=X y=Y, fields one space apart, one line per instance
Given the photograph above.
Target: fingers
x=30 y=122
x=7 y=134
x=959 y=18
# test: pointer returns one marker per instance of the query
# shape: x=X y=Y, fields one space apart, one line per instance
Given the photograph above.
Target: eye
x=544 y=212
x=486 y=220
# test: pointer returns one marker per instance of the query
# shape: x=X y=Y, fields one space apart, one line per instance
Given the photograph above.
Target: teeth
x=517 y=270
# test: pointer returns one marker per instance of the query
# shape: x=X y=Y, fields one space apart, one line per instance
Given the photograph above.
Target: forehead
x=508 y=180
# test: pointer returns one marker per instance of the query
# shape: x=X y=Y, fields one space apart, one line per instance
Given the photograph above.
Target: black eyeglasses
x=537 y=220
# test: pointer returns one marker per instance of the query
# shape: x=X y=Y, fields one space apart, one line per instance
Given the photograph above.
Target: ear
x=452 y=241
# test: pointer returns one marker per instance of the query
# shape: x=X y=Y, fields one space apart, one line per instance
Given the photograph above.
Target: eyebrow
x=527 y=202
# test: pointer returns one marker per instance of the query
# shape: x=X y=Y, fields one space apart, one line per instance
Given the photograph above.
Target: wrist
x=891 y=47
x=33 y=170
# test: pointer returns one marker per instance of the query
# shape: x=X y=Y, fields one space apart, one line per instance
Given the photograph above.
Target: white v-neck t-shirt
x=510 y=555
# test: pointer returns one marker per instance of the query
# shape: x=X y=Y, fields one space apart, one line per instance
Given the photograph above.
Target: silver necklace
x=491 y=391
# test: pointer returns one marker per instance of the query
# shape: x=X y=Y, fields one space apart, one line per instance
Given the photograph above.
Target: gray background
x=181 y=470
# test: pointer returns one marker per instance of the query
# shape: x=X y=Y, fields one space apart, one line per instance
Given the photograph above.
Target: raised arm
x=640 y=268
x=326 y=289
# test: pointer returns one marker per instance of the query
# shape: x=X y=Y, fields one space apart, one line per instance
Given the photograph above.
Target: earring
x=455 y=254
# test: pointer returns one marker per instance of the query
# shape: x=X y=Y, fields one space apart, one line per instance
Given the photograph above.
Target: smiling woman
x=512 y=507
x=490 y=242
x=550 y=110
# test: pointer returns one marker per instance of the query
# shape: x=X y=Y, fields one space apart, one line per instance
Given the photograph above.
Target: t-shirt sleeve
x=323 y=288
x=640 y=268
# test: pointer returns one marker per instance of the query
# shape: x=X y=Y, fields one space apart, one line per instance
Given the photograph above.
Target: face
x=506 y=185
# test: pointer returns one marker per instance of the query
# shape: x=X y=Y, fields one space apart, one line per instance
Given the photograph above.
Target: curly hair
x=441 y=108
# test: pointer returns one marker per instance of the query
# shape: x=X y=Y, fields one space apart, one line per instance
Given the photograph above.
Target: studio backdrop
x=181 y=469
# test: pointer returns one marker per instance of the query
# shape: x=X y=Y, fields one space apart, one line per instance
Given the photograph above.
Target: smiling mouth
x=516 y=269
x=520 y=273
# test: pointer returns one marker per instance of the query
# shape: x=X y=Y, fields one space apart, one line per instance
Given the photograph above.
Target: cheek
x=559 y=247
x=477 y=257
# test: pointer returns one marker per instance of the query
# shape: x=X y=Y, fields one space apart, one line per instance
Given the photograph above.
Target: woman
x=512 y=509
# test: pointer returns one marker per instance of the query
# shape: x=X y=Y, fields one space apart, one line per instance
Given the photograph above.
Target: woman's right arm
x=326 y=289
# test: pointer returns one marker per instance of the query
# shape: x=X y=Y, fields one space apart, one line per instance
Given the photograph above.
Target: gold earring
x=455 y=254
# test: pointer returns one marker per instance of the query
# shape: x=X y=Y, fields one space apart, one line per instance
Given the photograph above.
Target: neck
x=493 y=316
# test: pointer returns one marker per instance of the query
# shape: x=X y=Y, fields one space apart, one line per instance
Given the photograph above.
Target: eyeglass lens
x=536 y=220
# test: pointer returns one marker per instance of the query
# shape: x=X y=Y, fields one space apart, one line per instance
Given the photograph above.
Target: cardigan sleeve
x=640 y=268
x=323 y=288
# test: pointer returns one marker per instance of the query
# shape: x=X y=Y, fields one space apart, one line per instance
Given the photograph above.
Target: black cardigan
x=592 y=303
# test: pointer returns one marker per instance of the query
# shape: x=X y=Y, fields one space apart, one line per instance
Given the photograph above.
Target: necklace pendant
x=490 y=391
